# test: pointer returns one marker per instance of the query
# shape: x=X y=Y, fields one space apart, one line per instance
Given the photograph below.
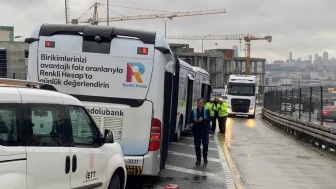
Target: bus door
x=206 y=92
x=189 y=96
x=209 y=91
x=175 y=90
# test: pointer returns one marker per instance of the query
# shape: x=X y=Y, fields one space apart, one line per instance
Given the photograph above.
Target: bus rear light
x=155 y=135
x=142 y=50
x=50 y=44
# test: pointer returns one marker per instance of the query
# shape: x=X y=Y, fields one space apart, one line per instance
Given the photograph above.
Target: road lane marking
x=191 y=156
x=232 y=176
x=192 y=171
x=190 y=145
x=191 y=138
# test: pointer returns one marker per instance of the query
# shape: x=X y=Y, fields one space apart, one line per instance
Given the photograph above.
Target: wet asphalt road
x=259 y=158
x=181 y=169
x=267 y=159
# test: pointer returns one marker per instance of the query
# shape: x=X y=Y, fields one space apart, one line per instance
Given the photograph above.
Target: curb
x=234 y=169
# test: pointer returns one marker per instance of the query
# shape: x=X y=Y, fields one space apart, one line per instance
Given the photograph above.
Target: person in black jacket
x=199 y=119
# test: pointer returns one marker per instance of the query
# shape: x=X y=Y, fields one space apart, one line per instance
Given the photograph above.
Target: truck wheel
x=115 y=182
x=252 y=116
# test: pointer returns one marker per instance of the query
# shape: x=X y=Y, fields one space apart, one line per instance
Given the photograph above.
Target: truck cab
x=241 y=94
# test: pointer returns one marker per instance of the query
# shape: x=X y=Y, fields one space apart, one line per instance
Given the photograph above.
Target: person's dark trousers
x=213 y=123
x=224 y=123
x=221 y=124
x=201 y=137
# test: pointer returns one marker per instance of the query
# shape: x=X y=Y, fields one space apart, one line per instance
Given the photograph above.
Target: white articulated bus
x=194 y=84
x=129 y=80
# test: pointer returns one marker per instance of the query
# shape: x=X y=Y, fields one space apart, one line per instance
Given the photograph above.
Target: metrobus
x=129 y=80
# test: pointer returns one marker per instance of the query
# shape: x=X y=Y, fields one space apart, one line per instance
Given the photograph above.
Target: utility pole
x=108 y=12
x=165 y=22
x=66 y=11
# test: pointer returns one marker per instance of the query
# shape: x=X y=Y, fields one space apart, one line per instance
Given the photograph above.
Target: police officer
x=200 y=118
x=222 y=115
x=211 y=107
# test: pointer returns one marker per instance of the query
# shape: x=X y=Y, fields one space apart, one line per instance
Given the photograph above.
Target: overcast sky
x=304 y=27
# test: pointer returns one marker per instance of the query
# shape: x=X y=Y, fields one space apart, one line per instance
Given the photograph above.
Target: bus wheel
x=177 y=136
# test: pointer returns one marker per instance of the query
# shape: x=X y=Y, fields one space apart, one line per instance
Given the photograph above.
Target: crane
x=246 y=37
x=95 y=20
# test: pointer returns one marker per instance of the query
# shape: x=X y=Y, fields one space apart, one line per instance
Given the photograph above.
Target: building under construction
x=220 y=63
x=13 y=59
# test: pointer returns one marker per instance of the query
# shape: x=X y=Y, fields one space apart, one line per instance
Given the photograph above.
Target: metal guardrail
x=320 y=135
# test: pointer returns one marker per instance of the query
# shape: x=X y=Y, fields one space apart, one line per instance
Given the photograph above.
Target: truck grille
x=240 y=105
x=113 y=124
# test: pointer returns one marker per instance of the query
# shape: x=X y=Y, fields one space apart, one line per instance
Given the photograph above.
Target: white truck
x=241 y=94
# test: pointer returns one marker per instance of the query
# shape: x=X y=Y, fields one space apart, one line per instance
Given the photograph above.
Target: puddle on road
x=155 y=183
x=174 y=179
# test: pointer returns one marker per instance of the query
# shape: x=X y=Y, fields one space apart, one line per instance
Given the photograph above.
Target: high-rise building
x=311 y=58
x=290 y=56
x=235 y=51
x=316 y=57
x=325 y=56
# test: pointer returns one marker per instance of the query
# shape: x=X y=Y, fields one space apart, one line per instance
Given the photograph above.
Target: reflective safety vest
x=204 y=115
x=210 y=106
x=222 y=109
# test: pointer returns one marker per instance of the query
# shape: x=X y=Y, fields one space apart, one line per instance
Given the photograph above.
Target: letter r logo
x=136 y=70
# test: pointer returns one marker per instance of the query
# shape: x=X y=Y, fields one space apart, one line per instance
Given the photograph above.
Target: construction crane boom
x=165 y=15
x=149 y=16
x=246 y=37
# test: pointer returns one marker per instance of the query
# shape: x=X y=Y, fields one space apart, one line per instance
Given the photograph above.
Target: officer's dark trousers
x=201 y=137
x=222 y=124
x=213 y=123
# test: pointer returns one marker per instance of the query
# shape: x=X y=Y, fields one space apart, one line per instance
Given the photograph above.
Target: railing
x=308 y=113
x=313 y=104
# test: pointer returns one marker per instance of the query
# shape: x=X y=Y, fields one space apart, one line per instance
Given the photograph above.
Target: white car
x=49 y=140
x=286 y=107
x=298 y=107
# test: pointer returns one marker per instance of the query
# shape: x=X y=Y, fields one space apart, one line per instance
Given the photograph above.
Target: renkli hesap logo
x=134 y=75
x=131 y=71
